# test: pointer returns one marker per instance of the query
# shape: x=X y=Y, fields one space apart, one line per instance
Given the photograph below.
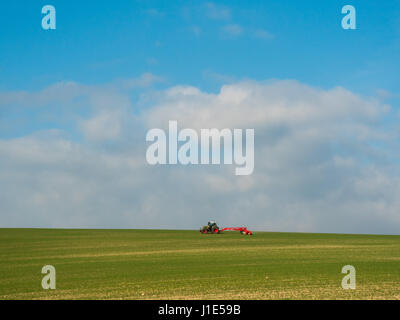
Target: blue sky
x=75 y=104
x=184 y=41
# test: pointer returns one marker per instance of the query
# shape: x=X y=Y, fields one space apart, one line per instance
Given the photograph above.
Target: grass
x=165 y=264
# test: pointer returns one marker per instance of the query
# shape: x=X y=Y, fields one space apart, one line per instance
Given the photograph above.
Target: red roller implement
x=243 y=230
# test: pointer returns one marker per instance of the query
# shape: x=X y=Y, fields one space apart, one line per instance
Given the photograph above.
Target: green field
x=160 y=264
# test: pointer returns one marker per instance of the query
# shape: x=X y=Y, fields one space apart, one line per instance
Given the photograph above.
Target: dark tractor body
x=211 y=227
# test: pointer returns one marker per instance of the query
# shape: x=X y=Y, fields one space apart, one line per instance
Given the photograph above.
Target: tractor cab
x=212 y=223
x=211 y=227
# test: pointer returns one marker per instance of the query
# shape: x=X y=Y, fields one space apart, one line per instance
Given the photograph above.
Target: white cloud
x=66 y=91
x=102 y=127
x=233 y=30
x=144 y=81
x=317 y=164
x=280 y=103
x=218 y=77
x=61 y=92
x=217 y=12
x=263 y=34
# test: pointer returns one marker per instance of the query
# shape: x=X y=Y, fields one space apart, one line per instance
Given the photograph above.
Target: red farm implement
x=243 y=230
x=212 y=227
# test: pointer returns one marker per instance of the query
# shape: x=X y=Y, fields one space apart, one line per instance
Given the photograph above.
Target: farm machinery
x=213 y=228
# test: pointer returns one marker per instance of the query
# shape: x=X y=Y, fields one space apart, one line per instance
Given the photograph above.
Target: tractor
x=211 y=227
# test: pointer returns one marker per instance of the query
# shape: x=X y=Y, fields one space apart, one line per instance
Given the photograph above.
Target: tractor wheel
x=214 y=230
